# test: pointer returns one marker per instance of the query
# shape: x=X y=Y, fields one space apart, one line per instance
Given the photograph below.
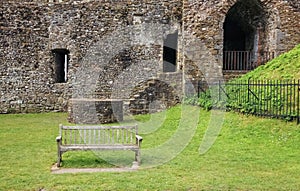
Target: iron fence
x=270 y=98
x=244 y=60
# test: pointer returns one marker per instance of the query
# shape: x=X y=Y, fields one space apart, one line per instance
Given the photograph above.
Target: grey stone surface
x=30 y=30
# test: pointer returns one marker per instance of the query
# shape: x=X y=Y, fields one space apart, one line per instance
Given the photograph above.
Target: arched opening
x=244 y=28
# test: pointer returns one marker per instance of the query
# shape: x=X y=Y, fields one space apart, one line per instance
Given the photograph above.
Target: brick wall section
x=29 y=30
x=203 y=20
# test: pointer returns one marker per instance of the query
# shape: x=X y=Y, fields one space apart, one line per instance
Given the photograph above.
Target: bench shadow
x=84 y=159
x=97 y=159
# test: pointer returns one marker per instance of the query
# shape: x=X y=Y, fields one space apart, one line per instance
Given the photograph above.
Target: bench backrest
x=96 y=135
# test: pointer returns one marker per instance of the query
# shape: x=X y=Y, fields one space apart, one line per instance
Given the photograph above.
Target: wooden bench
x=73 y=138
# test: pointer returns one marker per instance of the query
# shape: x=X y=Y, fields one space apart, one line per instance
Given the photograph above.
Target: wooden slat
x=118 y=136
x=75 y=137
x=98 y=127
x=111 y=134
x=70 y=137
x=99 y=136
x=123 y=136
x=99 y=147
x=80 y=135
x=65 y=137
x=90 y=136
x=84 y=135
x=94 y=140
x=126 y=135
x=106 y=140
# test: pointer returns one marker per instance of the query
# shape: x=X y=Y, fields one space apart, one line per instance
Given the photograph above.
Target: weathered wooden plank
x=99 y=136
x=98 y=147
x=75 y=137
x=84 y=136
x=95 y=138
x=90 y=136
x=111 y=136
x=99 y=127
x=80 y=135
x=118 y=136
x=70 y=138
x=122 y=136
x=65 y=137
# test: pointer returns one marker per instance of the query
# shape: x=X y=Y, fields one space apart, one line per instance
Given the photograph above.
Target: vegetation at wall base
x=270 y=90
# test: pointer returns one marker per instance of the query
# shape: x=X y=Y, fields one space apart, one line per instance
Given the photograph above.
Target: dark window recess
x=170 y=53
x=61 y=58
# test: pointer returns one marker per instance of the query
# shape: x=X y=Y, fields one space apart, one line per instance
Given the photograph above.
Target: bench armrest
x=139 y=139
x=58 y=139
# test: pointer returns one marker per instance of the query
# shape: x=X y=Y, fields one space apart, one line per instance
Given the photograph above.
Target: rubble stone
x=116 y=49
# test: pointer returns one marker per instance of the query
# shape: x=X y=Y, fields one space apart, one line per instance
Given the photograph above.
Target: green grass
x=249 y=154
x=284 y=67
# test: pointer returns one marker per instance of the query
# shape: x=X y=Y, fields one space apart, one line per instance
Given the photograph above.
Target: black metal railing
x=244 y=60
x=270 y=98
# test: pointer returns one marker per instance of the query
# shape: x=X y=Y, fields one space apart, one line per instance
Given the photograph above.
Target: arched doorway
x=244 y=29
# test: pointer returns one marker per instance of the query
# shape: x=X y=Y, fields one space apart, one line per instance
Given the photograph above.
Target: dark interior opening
x=242 y=29
x=170 y=53
x=234 y=36
x=61 y=57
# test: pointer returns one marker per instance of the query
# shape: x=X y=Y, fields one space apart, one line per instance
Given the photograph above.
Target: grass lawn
x=249 y=154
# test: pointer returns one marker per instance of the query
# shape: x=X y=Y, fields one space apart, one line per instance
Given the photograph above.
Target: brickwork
x=204 y=20
x=115 y=48
x=95 y=111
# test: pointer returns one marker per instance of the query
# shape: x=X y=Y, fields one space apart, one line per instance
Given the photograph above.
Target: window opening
x=61 y=58
x=170 y=53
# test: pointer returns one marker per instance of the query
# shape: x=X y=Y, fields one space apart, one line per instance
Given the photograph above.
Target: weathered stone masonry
x=31 y=31
x=205 y=20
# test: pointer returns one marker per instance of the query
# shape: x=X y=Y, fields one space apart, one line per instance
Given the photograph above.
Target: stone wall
x=116 y=49
x=25 y=84
x=31 y=30
x=204 y=20
x=95 y=111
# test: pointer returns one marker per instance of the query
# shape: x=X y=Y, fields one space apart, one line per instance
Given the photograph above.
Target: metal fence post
x=198 y=89
x=219 y=90
x=298 y=105
x=248 y=91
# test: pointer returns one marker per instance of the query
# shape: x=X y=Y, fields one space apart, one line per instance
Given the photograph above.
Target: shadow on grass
x=84 y=159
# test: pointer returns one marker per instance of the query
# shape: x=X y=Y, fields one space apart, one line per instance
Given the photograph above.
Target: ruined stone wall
x=32 y=29
x=25 y=83
x=203 y=21
x=283 y=24
x=116 y=47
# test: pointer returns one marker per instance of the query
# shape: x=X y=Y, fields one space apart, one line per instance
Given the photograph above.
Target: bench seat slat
x=98 y=127
x=98 y=147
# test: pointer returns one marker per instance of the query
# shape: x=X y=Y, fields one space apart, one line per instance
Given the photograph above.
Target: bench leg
x=59 y=158
x=138 y=157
